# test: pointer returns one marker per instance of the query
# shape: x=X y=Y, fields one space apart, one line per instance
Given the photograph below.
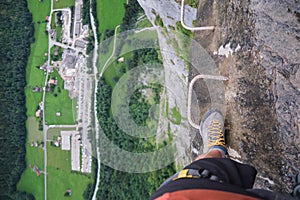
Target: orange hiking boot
x=212 y=132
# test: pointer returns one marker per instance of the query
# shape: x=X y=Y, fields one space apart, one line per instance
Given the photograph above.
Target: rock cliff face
x=257 y=45
x=175 y=71
x=277 y=39
x=263 y=93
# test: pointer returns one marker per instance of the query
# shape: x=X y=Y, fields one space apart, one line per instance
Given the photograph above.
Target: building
x=70 y=140
x=52 y=82
x=121 y=60
x=38 y=113
x=77 y=29
x=75 y=152
x=36 y=170
x=65 y=140
x=78 y=12
x=36 y=89
x=52 y=33
x=69 y=61
x=80 y=44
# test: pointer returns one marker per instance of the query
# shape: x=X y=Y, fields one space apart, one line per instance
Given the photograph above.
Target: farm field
x=63 y=3
x=59 y=101
x=60 y=176
x=35 y=77
x=109 y=20
x=29 y=181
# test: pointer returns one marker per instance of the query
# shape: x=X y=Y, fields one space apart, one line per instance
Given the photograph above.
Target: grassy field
x=35 y=76
x=115 y=69
x=176 y=117
x=109 y=20
x=58 y=33
x=34 y=134
x=53 y=25
x=57 y=27
x=57 y=57
x=144 y=23
x=143 y=35
x=29 y=182
x=58 y=101
x=63 y=3
x=104 y=56
x=60 y=176
x=54 y=132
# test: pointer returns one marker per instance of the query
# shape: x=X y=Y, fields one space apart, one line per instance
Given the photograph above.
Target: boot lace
x=216 y=135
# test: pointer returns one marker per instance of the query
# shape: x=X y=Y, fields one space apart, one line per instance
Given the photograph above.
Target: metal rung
x=201 y=28
x=201 y=76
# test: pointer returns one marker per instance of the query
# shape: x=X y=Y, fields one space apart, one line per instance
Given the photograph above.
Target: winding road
x=95 y=57
x=45 y=127
x=112 y=53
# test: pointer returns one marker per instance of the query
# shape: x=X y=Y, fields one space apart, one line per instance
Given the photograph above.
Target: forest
x=116 y=184
x=132 y=10
x=87 y=21
x=16 y=30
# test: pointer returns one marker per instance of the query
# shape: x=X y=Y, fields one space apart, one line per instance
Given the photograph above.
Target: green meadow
x=38 y=49
x=59 y=101
x=63 y=3
x=35 y=77
x=60 y=176
x=109 y=20
x=29 y=181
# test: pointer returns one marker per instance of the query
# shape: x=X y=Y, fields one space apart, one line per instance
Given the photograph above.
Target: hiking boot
x=212 y=132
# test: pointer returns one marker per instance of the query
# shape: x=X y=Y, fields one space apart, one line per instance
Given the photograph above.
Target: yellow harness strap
x=184 y=174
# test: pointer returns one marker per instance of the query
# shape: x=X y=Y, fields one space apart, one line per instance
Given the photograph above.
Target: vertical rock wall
x=257 y=45
x=263 y=93
x=175 y=71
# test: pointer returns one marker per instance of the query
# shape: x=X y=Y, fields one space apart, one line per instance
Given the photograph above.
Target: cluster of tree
x=56 y=53
x=147 y=55
x=132 y=10
x=184 y=31
x=139 y=105
x=16 y=30
x=139 y=108
x=85 y=14
x=72 y=8
x=58 y=18
x=158 y=21
x=106 y=40
x=117 y=184
x=89 y=191
x=193 y=3
x=94 y=13
x=108 y=34
x=122 y=185
x=109 y=125
x=86 y=20
x=90 y=45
